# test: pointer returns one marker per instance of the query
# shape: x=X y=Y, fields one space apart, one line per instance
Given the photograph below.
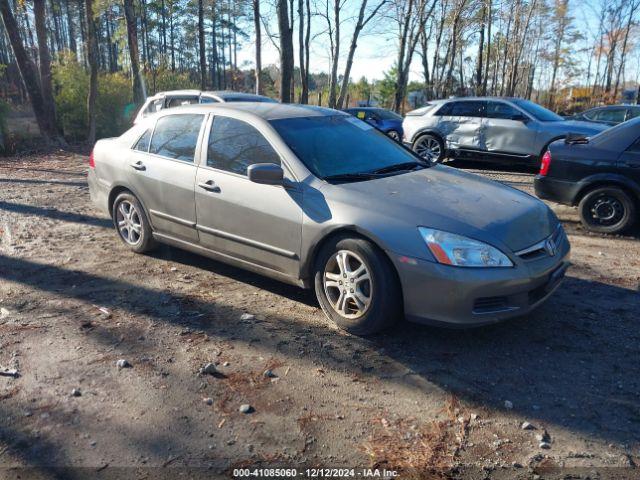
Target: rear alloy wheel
x=607 y=210
x=394 y=135
x=430 y=148
x=131 y=223
x=356 y=286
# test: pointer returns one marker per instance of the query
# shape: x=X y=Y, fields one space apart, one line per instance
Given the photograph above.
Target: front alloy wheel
x=347 y=284
x=357 y=286
x=430 y=148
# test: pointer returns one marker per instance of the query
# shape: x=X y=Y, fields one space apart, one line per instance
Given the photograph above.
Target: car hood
x=451 y=200
x=577 y=126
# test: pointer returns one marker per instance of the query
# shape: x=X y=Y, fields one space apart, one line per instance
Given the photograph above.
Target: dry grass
x=424 y=451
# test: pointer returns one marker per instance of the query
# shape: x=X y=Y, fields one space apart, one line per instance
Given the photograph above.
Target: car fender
x=117 y=187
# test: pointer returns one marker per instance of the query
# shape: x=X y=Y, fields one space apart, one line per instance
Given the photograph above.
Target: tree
x=92 y=56
x=45 y=66
x=132 y=40
x=256 y=25
x=203 y=58
x=360 y=24
x=286 y=51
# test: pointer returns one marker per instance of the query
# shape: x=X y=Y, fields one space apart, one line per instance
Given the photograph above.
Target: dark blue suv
x=385 y=120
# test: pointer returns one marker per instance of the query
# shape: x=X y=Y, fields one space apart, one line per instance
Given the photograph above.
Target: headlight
x=452 y=249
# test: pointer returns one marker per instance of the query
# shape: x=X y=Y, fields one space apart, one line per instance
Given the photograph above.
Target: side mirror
x=266 y=173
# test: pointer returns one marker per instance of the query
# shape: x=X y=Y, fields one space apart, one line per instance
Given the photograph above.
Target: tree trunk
x=71 y=28
x=488 y=58
x=304 y=90
x=92 y=55
x=256 y=23
x=27 y=72
x=132 y=39
x=480 y=49
x=45 y=65
x=203 y=58
x=335 y=54
x=286 y=51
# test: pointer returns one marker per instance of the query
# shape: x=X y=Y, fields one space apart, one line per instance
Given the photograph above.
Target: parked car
x=508 y=130
x=176 y=98
x=610 y=115
x=385 y=120
x=317 y=198
x=601 y=175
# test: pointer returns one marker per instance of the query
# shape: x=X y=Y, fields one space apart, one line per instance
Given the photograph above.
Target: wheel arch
x=343 y=231
x=598 y=181
x=428 y=131
x=117 y=190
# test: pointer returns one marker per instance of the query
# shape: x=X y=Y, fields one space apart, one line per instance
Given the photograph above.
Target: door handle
x=138 y=166
x=210 y=186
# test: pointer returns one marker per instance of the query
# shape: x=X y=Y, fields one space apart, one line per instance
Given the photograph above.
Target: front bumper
x=465 y=297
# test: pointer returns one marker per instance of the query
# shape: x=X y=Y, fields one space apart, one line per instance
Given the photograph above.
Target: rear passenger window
x=142 y=145
x=234 y=145
x=176 y=136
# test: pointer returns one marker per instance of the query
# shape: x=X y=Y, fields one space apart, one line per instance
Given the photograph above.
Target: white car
x=176 y=98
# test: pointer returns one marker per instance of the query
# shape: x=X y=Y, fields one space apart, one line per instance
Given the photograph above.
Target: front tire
x=356 y=286
x=429 y=147
x=607 y=209
x=131 y=223
x=393 y=134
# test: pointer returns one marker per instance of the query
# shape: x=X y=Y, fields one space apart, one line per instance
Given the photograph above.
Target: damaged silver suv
x=510 y=130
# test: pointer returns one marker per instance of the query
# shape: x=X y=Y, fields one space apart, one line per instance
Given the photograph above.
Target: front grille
x=538 y=251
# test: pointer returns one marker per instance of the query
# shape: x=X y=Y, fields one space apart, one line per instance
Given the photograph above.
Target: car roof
x=266 y=111
x=193 y=92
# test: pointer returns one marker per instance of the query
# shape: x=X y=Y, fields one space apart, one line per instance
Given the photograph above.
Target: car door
x=261 y=224
x=629 y=161
x=460 y=123
x=507 y=130
x=162 y=173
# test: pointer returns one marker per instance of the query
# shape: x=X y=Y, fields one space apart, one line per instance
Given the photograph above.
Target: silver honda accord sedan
x=320 y=199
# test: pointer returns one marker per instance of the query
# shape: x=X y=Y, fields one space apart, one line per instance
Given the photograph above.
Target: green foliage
x=387 y=88
x=163 y=78
x=113 y=110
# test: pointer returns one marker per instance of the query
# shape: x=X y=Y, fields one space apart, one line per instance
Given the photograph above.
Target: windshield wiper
x=351 y=176
x=398 y=167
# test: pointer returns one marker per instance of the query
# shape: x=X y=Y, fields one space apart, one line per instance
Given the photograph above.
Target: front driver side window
x=502 y=111
x=234 y=145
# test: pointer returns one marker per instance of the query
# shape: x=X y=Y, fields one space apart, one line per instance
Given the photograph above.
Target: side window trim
x=205 y=143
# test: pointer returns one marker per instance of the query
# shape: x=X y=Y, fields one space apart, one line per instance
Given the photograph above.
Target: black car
x=609 y=115
x=600 y=174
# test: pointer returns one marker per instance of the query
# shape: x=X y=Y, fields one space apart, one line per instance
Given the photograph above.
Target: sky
x=376 y=51
x=377 y=45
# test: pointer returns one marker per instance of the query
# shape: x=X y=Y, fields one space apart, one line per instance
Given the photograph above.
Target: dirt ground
x=425 y=402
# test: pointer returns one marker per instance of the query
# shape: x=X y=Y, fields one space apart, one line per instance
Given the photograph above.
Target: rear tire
x=132 y=224
x=356 y=286
x=429 y=147
x=607 y=209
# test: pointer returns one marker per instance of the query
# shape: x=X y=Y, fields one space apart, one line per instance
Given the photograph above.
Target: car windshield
x=387 y=114
x=338 y=145
x=538 y=112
